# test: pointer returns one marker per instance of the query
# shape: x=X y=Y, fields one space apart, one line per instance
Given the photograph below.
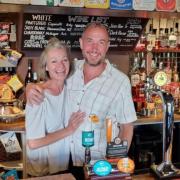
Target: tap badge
x=160 y=78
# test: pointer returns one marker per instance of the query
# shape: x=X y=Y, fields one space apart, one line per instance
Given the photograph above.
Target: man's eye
x=102 y=43
x=65 y=60
x=89 y=40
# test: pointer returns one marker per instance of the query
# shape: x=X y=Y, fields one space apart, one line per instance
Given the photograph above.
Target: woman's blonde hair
x=53 y=43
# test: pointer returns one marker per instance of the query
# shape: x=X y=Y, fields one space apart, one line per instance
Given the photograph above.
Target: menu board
x=39 y=28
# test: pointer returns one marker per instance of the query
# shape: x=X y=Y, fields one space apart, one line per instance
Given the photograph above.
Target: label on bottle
x=172 y=41
x=135 y=79
x=148 y=5
x=121 y=4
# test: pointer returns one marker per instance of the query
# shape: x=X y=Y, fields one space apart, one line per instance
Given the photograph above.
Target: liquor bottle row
x=160 y=34
x=144 y=70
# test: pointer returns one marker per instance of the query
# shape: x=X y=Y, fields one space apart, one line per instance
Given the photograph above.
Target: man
x=99 y=90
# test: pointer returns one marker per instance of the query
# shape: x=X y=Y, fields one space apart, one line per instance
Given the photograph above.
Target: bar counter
x=71 y=177
x=18 y=126
x=154 y=120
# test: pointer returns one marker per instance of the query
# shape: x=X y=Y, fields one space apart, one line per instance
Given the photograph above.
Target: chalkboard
x=39 y=28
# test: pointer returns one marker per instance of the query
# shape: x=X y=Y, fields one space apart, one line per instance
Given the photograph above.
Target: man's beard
x=92 y=64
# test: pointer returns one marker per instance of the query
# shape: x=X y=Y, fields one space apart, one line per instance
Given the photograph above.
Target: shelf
x=18 y=165
x=17 y=126
x=12 y=8
x=160 y=50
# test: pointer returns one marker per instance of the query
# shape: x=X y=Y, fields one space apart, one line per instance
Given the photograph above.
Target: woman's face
x=57 y=64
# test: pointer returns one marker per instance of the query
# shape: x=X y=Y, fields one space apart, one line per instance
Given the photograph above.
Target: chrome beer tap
x=165 y=168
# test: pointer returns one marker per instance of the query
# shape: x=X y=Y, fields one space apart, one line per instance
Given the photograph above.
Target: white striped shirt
x=108 y=95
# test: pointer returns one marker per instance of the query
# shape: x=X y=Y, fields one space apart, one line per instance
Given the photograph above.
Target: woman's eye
x=54 y=61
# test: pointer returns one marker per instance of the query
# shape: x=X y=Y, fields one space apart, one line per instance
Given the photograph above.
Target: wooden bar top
x=154 y=120
x=146 y=176
x=19 y=125
x=67 y=176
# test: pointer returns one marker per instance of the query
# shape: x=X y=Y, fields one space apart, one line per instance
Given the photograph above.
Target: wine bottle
x=29 y=76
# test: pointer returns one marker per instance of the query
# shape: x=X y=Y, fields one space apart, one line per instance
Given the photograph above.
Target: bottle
x=168 y=69
x=142 y=68
x=175 y=71
x=151 y=38
x=29 y=76
x=135 y=74
x=172 y=39
x=178 y=35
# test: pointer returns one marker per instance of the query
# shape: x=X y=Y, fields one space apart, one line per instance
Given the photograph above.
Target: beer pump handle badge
x=160 y=78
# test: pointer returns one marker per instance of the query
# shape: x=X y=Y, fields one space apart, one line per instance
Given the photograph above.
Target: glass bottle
x=135 y=74
x=135 y=79
x=172 y=39
x=29 y=76
x=162 y=38
x=168 y=69
x=175 y=71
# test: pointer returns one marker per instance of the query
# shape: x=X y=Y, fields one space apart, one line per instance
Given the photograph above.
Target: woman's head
x=54 y=61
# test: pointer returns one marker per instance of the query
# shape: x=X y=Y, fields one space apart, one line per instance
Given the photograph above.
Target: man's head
x=94 y=43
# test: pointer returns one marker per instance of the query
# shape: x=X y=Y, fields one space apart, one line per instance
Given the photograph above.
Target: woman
x=47 y=124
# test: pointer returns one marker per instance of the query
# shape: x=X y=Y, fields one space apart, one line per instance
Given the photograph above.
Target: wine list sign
x=39 y=28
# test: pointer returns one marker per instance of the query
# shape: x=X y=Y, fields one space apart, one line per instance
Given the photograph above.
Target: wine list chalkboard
x=39 y=28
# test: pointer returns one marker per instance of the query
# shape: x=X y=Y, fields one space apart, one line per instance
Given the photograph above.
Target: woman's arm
x=75 y=121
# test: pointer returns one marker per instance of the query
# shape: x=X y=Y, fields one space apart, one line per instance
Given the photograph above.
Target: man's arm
x=34 y=94
x=126 y=132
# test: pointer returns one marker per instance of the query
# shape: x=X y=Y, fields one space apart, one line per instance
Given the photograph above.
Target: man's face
x=94 y=45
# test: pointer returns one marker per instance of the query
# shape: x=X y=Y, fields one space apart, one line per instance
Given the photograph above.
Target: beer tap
x=165 y=168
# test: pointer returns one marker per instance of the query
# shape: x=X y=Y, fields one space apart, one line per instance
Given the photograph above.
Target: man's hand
x=34 y=94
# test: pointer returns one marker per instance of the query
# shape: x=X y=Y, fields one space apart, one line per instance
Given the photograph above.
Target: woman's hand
x=34 y=94
x=75 y=121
